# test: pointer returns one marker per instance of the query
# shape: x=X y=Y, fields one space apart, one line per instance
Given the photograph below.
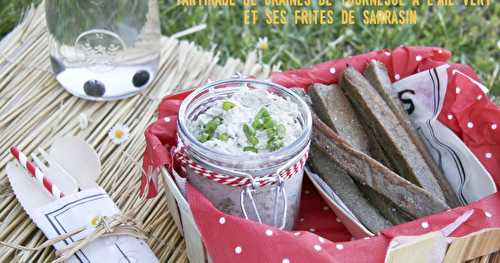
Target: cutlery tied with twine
x=116 y=225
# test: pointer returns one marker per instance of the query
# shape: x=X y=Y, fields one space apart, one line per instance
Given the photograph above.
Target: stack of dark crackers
x=366 y=149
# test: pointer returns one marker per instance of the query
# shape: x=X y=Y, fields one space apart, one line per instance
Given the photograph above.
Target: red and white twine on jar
x=238 y=181
x=249 y=183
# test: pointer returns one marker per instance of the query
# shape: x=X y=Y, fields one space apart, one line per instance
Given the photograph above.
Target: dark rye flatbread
x=333 y=107
x=377 y=75
x=381 y=120
x=413 y=200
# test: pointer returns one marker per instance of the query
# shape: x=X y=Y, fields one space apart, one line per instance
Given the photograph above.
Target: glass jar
x=276 y=204
x=104 y=49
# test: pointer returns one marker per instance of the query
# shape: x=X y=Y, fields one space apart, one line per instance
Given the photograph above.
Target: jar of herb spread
x=244 y=143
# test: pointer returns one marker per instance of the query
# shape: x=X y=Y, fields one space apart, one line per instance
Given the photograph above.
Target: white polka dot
x=494 y=126
x=457 y=90
x=333 y=70
x=222 y=220
x=393 y=210
x=312 y=230
x=237 y=250
x=479 y=97
x=296 y=234
x=301 y=219
x=321 y=240
x=454 y=72
x=488 y=155
x=317 y=247
x=470 y=125
x=285 y=260
x=325 y=208
x=418 y=58
x=397 y=77
x=440 y=51
x=366 y=238
x=488 y=214
x=387 y=53
x=167 y=119
x=269 y=232
x=425 y=225
x=338 y=220
x=450 y=117
x=339 y=246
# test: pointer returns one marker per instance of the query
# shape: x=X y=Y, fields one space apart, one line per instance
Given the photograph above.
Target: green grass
x=10 y=11
x=472 y=34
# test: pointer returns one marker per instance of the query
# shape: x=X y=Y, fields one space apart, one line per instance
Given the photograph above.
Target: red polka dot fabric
x=319 y=236
x=400 y=63
x=240 y=240
x=316 y=217
x=473 y=117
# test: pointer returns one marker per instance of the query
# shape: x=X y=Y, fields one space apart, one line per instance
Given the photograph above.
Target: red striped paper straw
x=35 y=172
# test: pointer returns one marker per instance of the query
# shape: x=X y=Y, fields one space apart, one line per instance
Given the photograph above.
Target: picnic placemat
x=34 y=109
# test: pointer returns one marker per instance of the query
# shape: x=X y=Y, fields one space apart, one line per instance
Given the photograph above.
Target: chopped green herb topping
x=250 y=149
x=253 y=140
x=250 y=134
x=275 y=132
x=268 y=123
x=260 y=119
x=204 y=137
x=223 y=137
x=256 y=124
x=209 y=129
x=274 y=145
x=227 y=105
x=261 y=132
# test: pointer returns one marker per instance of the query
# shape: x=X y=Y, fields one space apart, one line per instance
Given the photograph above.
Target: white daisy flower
x=262 y=43
x=119 y=133
x=83 y=120
x=95 y=221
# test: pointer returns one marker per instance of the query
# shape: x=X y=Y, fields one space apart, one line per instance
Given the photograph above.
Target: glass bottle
x=104 y=49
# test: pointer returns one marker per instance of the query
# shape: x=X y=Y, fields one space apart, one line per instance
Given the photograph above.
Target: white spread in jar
x=251 y=121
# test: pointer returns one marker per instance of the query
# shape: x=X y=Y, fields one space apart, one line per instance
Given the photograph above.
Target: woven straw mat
x=34 y=110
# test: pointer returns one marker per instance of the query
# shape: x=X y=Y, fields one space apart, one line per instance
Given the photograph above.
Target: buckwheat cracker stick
x=377 y=75
x=333 y=107
x=403 y=154
x=345 y=187
x=410 y=198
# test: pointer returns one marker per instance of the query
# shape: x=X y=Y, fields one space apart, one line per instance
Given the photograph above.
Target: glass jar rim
x=295 y=147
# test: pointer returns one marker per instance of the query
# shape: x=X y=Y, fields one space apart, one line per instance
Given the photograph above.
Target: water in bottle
x=104 y=49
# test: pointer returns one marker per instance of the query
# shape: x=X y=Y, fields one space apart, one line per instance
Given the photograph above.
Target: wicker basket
x=481 y=246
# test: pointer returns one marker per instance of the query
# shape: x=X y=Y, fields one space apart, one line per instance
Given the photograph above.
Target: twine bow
x=116 y=225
